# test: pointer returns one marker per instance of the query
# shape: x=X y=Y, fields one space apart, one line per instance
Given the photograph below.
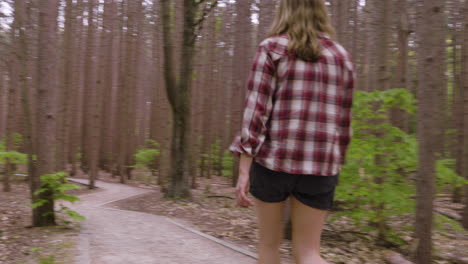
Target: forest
x=138 y=101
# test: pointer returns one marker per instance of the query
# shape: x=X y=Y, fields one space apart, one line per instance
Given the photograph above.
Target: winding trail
x=114 y=236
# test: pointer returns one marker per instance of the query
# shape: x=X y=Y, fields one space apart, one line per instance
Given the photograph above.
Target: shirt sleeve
x=349 y=79
x=257 y=105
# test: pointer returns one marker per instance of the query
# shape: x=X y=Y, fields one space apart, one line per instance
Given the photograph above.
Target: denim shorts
x=273 y=186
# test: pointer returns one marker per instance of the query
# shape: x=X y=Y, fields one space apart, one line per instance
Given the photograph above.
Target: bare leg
x=307 y=225
x=270 y=222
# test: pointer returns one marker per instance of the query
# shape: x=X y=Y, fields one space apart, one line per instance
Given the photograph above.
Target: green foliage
x=227 y=163
x=78 y=156
x=152 y=143
x=17 y=139
x=13 y=157
x=446 y=175
x=36 y=249
x=444 y=223
x=47 y=260
x=214 y=156
x=378 y=150
x=57 y=184
x=212 y=159
x=146 y=156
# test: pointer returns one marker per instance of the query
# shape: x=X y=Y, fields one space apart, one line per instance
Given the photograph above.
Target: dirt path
x=112 y=236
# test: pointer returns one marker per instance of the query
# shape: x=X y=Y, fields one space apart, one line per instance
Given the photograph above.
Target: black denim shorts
x=273 y=186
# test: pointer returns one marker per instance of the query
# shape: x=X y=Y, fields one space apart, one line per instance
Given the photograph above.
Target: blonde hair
x=303 y=21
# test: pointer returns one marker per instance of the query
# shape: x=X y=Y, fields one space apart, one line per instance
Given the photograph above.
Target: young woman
x=295 y=129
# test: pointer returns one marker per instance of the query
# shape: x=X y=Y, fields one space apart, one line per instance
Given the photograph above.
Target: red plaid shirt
x=297 y=114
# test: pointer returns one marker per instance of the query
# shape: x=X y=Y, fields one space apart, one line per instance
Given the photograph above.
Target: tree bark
x=3 y=100
x=465 y=114
x=107 y=81
x=90 y=106
x=178 y=91
x=265 y=17
x=47 y=110
x=77 y=80
x=242 y=58
x=161 y=115
x=429 y=73
x=66 y=88
x=400 y=118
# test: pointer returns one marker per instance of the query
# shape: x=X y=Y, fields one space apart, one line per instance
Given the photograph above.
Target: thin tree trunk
x=134 y=86
x=23 y=52
x=400 y=118
x=265 y=18
x=123 y=96
x=456 y=117
x=242 y=52
x=66 y=88
x=465 y=114
x=3 y=101
x=90 y=106
x=12 y=94
x=107 y=66
x=76 y=86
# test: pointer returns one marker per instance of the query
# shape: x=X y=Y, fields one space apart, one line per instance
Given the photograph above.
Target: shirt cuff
x=237 y=148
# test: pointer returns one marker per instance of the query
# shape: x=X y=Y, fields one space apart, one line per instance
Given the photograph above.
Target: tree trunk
x=209 y=101
x=456 y=117
x=160 y=128
x=178 y=90
x=381 y=21
x=400 y=118
x=465 y=114
x=107 y=76
x=90 y=106
x=265 y=17
x=3 y=100
x=12 y=93
x=66 y=88
x=22 y=55
x=428 y=90
x=47 y=110
x=135 y=52
x=76 y=104
x=242 y=58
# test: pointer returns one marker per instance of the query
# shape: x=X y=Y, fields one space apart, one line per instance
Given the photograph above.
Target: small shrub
x=227 y=163
x=57 y=184
x=366 y=200
x=146 y=157
x=447 y=176
x=13 y=157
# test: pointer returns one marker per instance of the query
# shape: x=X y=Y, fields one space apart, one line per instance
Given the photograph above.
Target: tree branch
x=206 y=10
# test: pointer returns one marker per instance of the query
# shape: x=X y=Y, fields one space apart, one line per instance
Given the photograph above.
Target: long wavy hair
x=303 y=21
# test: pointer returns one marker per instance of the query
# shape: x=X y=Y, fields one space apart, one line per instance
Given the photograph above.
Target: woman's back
x=297 y=111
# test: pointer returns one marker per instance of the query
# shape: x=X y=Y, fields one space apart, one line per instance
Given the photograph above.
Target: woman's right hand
x=242 y=189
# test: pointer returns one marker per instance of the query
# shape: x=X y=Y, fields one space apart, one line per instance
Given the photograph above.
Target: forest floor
x=112 y=229
x=22 y=244
x=212 y=210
